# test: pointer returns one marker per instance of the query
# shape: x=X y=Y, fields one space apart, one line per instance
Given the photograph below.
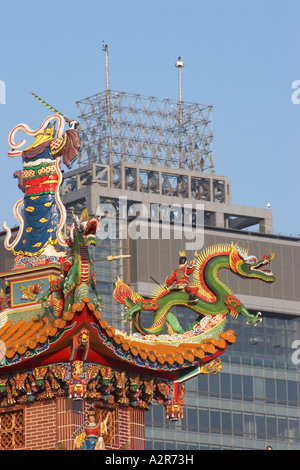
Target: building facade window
x=254 y=399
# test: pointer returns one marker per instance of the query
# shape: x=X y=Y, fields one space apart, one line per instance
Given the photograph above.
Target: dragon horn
x=76 y=220
x=84 y=216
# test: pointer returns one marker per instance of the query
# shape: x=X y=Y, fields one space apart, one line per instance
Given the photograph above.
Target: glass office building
x=251 y=404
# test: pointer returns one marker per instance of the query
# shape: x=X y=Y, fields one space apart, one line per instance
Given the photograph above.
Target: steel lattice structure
x=152 y=151
x=119 y=126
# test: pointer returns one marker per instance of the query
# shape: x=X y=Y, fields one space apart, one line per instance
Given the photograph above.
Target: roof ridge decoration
x=207 y=295
x=40 y=229
x=78 y=274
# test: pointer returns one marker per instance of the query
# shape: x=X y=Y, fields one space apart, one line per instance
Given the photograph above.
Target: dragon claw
x=256 y=319
x=127 y=315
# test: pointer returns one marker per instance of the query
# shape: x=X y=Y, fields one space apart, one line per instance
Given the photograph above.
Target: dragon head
x=250 y=266
x=85 y=229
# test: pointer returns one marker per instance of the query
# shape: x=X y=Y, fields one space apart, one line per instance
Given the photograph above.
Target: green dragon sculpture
x=72 y=288
x=213 y=296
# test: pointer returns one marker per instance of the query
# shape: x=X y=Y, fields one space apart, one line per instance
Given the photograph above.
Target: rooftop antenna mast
x=105 y=49
x=179 y=64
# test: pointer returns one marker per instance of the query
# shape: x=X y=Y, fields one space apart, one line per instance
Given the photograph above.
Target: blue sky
x=241 y=56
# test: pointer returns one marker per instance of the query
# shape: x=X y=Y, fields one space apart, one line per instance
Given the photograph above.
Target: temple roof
x=25 y=339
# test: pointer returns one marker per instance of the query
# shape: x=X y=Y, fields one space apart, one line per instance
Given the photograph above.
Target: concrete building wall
x=157 y=258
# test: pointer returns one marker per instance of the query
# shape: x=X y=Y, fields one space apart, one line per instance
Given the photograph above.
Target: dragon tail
x=122 y=291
